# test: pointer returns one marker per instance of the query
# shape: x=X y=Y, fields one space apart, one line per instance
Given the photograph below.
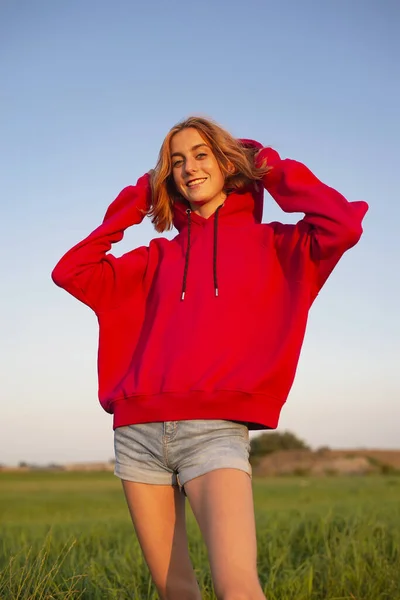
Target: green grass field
x=68 y=535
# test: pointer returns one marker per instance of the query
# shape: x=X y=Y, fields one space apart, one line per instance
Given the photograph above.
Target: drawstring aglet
x=183 y=296
x=216 y=291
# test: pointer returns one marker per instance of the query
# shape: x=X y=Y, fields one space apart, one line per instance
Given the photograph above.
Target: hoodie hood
x=244 y=204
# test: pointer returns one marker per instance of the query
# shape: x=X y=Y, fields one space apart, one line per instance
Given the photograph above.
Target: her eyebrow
x=192 y=149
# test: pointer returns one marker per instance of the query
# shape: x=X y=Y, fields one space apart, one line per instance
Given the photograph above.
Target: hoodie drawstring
x=215 y=249
x=188 y=212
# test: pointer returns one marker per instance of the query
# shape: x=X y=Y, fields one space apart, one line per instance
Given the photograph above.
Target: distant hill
x=327 y=462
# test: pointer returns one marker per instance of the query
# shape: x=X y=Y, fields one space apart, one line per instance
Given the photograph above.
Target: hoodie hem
x=258 y=411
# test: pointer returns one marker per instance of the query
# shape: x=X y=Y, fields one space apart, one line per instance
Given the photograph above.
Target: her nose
x=190 y=166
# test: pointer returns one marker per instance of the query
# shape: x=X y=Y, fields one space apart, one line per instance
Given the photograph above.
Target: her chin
x=199 y=202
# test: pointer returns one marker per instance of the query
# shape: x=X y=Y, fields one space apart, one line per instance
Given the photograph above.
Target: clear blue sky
x=88 y=91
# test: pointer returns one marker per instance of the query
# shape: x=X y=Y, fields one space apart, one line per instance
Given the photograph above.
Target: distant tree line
x=272 y=441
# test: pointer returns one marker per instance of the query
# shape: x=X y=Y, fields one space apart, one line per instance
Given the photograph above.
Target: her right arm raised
x=96 y=278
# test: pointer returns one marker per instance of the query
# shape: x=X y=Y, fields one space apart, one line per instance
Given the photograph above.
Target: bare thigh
x=158 y=516
x=222 y=502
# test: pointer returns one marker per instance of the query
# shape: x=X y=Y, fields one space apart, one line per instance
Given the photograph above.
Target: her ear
x=231 y=168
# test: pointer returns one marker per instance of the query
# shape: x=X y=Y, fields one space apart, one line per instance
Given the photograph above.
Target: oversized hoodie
x=210 y=324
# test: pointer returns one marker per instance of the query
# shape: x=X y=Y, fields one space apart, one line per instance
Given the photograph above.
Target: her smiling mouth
x=195 y=182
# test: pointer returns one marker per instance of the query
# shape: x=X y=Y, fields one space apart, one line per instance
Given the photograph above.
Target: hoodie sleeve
x=96 y=278
x=331 y=224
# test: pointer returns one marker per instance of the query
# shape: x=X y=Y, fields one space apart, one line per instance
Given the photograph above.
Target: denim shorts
x=174 y=452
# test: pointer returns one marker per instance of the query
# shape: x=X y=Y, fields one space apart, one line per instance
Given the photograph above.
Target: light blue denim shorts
x=174 y=452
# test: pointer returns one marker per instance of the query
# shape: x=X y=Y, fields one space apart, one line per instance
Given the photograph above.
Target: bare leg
x=222 y=502
x=158 y=515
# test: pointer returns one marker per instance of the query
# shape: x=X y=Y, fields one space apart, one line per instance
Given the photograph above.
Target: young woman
x=200 y=337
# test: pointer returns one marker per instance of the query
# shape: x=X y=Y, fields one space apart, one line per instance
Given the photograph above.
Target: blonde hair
x=227 y=150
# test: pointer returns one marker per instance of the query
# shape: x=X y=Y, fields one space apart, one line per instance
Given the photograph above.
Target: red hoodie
x=229 y=349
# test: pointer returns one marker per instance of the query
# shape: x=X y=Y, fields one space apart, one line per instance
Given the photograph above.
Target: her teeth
x=196 y=181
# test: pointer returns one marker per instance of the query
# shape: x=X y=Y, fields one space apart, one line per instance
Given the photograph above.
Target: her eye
x=177 y=163
x=201 y=155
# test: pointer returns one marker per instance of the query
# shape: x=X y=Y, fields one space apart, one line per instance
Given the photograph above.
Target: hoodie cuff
x=138 y=196
x=268 y=154
x=271 y=158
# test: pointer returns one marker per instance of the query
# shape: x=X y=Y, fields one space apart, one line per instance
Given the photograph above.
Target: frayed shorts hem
x=179 y=480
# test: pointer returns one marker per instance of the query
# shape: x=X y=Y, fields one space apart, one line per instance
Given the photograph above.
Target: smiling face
x=196 y=172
